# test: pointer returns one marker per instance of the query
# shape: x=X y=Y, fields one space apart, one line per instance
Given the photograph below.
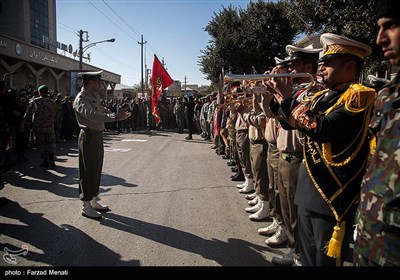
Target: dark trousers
x=315 y=230
x=91 y=155
x=190 y=125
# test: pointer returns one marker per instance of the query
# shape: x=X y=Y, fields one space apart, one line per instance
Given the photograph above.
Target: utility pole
x=142 y=43
x=82 y=49
x=185 y=87
x=81 y=46
x=148 y=72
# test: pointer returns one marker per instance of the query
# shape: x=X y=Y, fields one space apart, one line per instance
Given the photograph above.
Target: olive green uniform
x=90 y=115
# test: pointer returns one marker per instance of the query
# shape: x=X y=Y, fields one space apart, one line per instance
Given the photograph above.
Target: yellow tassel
x=334 y=246
x=372 y=145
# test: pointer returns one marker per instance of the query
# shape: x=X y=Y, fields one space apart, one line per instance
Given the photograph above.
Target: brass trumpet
x=260 y=89
x=262 y=77
x=246 y=100
x=228 y=78
x=234 y=93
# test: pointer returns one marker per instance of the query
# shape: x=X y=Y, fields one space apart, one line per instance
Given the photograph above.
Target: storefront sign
x=64 y=47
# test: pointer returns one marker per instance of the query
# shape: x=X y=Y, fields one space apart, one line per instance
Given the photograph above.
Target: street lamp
x=83 y=49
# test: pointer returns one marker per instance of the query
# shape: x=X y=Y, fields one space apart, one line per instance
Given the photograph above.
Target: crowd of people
x=302 y=148
x=36 y=118
x=28 y=114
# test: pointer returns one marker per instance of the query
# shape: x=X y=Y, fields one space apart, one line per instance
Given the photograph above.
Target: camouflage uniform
x=203 y=119
x=179 y=111
x=378 y=217
x=42 y=112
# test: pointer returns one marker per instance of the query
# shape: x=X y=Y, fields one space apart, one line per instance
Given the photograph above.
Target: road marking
x=117 y=150
x=134 y=140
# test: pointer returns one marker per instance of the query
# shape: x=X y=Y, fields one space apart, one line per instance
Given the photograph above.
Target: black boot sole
x=93 y=218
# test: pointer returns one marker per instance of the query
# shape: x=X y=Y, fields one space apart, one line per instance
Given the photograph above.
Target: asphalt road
x=172 y=204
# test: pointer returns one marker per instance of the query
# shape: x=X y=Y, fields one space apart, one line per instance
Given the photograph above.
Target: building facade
x=28 y=47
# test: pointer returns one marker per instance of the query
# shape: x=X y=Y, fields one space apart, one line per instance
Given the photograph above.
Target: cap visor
x=329 y=56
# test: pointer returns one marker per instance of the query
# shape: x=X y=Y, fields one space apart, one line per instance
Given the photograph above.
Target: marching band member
x=335 y=123
x=290 y=146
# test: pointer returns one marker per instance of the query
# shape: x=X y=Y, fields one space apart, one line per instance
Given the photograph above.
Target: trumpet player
x=290 y=146
x=335 y=124
x=256 y=120
x=243 y=150
x=271 y=134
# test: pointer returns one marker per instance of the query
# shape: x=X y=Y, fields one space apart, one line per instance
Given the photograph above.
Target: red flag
x=160 y=79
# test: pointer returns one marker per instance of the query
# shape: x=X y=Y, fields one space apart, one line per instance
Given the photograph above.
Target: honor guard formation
x=313 y=146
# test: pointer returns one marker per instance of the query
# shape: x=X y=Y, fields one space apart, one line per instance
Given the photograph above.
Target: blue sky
x=174 y=31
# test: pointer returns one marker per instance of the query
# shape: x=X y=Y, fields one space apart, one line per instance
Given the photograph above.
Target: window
x=39 y=22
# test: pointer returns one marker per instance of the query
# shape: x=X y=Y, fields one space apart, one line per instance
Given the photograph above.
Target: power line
x=112 y=21
x=123 y=20
x=71 y=30
x=130 y=27
x=127 y=24
x=115 y=60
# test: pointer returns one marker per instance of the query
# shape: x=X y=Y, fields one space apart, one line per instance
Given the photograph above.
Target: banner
x=75 y=82
x=160 y=79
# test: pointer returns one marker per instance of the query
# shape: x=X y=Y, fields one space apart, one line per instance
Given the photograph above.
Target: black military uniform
x=335 y=153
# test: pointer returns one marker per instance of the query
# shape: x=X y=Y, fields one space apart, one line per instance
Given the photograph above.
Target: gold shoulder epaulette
x=356 y=98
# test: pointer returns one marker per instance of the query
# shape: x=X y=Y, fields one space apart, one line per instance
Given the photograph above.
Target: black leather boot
x=238 y=177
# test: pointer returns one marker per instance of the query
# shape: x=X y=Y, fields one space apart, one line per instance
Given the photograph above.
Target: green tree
x=266 y=33
x=245 y=38
x=222 y=47
x=355 y=19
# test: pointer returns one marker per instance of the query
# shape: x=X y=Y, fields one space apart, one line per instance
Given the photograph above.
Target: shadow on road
x=62 y=181
x=235 y=252
x=53 y=245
